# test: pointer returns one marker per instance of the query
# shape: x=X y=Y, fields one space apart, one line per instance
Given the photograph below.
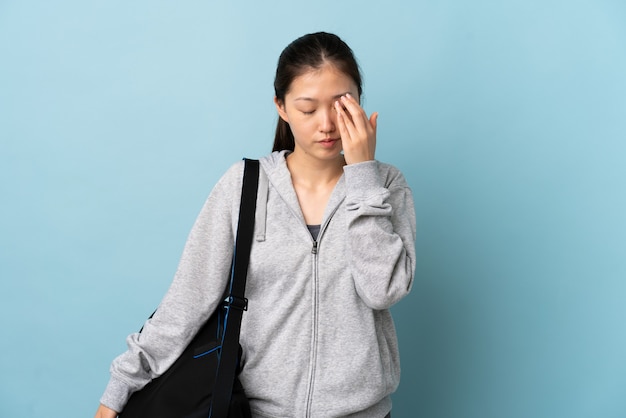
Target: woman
x=333 y=253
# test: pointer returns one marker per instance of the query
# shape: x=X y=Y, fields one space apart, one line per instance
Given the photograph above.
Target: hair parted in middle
x=310 y=52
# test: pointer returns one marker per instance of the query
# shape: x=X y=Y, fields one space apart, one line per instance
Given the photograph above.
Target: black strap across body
x=203 y=382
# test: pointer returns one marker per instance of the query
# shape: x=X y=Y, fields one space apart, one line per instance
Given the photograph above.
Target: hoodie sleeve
x=381 y=232
x=195 y=292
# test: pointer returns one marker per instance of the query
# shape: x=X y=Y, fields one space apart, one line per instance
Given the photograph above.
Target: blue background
x=507 y=117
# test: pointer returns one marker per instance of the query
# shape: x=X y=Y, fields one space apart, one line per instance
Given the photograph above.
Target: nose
x=328 y=120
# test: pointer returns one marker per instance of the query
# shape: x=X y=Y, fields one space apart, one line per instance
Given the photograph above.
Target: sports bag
x=203 y=382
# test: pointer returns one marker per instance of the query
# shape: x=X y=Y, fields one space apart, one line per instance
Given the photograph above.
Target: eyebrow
x=310 y=99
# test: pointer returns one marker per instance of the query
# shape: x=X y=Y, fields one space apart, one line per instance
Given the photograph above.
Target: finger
x=350 y=131
x=341 y=122
x=374 y=120
x=354 y=109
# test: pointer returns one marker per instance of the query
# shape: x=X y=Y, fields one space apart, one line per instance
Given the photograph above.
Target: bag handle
x=236 y=302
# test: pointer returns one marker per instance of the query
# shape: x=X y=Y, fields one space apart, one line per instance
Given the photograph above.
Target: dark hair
x=309 y=52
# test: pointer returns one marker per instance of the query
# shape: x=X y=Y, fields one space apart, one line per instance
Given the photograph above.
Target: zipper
x=315 y=310
x=313 y=366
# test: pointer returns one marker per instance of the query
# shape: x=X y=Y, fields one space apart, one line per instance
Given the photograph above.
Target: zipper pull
x=314 y=249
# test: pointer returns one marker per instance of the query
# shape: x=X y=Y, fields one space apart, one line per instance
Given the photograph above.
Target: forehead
x=320 y=84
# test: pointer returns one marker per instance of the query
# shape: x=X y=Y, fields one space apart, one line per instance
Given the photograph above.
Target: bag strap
x=236 y=302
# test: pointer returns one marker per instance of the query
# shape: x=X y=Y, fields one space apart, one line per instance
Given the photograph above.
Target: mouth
x=329 y=142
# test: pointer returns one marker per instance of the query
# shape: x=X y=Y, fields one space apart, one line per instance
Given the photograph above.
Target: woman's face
x=309 y=109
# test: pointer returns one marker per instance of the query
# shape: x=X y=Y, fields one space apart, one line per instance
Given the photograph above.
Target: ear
x=280 y=108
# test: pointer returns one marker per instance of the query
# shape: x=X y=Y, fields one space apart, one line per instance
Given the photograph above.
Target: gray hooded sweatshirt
x=318 y=339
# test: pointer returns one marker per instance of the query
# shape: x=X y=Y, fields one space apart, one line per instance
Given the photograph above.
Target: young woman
x=334 y=251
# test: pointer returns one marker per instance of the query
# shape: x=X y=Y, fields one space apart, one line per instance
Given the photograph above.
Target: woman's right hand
x=104 y=412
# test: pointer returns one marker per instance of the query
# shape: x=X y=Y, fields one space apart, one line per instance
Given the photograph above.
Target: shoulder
x=274 y=162
x=231 y=177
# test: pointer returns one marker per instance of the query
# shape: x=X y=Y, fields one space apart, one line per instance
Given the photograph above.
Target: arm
x=381 y=215
x=104 y=412
x=195 y=292
x=381 y=233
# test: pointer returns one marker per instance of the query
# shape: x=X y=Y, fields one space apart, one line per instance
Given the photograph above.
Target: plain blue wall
x=508 y=119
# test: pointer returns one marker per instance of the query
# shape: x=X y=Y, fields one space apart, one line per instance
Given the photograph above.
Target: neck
x=314 y=172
